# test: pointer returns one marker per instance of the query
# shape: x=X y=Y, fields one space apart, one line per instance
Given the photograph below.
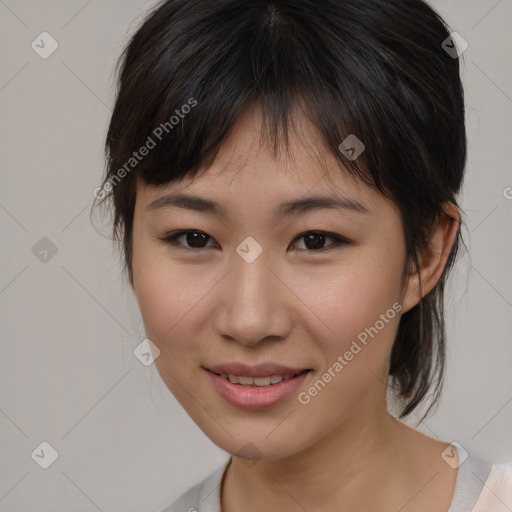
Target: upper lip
x=258 y=370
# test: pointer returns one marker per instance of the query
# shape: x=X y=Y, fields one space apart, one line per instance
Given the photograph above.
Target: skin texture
x=295 y=306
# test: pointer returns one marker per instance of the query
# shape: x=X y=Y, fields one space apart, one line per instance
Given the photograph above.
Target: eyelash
x=172 y=238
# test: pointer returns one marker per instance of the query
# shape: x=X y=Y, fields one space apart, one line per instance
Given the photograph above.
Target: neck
x=352 y=464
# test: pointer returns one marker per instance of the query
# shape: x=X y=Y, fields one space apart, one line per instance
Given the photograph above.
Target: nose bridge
x=253 y=303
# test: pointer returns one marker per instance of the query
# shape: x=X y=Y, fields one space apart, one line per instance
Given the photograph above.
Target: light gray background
x=69 y=325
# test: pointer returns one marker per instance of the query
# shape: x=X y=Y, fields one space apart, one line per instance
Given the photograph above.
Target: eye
x=315 y=240
x=194 y=238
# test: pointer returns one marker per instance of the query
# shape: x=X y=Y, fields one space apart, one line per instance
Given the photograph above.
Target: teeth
x=246 y=381
x=256 y=381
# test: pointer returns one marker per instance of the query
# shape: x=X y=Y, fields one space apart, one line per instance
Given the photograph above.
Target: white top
x=480 y=487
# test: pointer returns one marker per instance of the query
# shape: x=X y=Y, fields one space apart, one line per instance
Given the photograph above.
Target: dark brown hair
x=373 y=68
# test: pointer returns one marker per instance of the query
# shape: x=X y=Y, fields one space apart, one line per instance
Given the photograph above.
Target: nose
x=254 y=304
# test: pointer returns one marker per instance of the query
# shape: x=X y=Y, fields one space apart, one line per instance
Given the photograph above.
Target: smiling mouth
x=270 y=380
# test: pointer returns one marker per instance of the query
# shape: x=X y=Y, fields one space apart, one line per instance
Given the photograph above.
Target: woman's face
x=253 y=286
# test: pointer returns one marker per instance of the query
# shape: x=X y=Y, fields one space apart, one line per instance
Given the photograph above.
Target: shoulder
x=203 y=496
x=496 y=495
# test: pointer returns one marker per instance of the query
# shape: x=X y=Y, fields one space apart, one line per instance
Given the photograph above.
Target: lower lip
x=251 y=398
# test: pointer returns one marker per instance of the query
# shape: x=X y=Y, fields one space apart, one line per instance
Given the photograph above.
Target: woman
x=284 y=176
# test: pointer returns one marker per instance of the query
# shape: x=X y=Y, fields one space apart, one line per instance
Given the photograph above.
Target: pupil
x=317 y=240
x=195 y=239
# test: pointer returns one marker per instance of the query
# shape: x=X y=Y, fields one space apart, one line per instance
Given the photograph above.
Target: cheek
x=345 y=302
x=169 y=302
x=163 y=294
x=360 y=306
x=170 y=305
x=362 y=312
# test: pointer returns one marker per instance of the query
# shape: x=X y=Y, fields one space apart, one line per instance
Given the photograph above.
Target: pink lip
x=251 y=398
x=259 y=370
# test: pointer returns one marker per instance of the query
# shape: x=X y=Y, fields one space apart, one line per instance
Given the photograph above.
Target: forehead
x=246 y=165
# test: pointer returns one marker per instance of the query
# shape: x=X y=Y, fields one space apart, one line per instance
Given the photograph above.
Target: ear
x=433 y=259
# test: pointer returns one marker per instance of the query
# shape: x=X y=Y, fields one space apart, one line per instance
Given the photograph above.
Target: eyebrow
x=294 y=207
